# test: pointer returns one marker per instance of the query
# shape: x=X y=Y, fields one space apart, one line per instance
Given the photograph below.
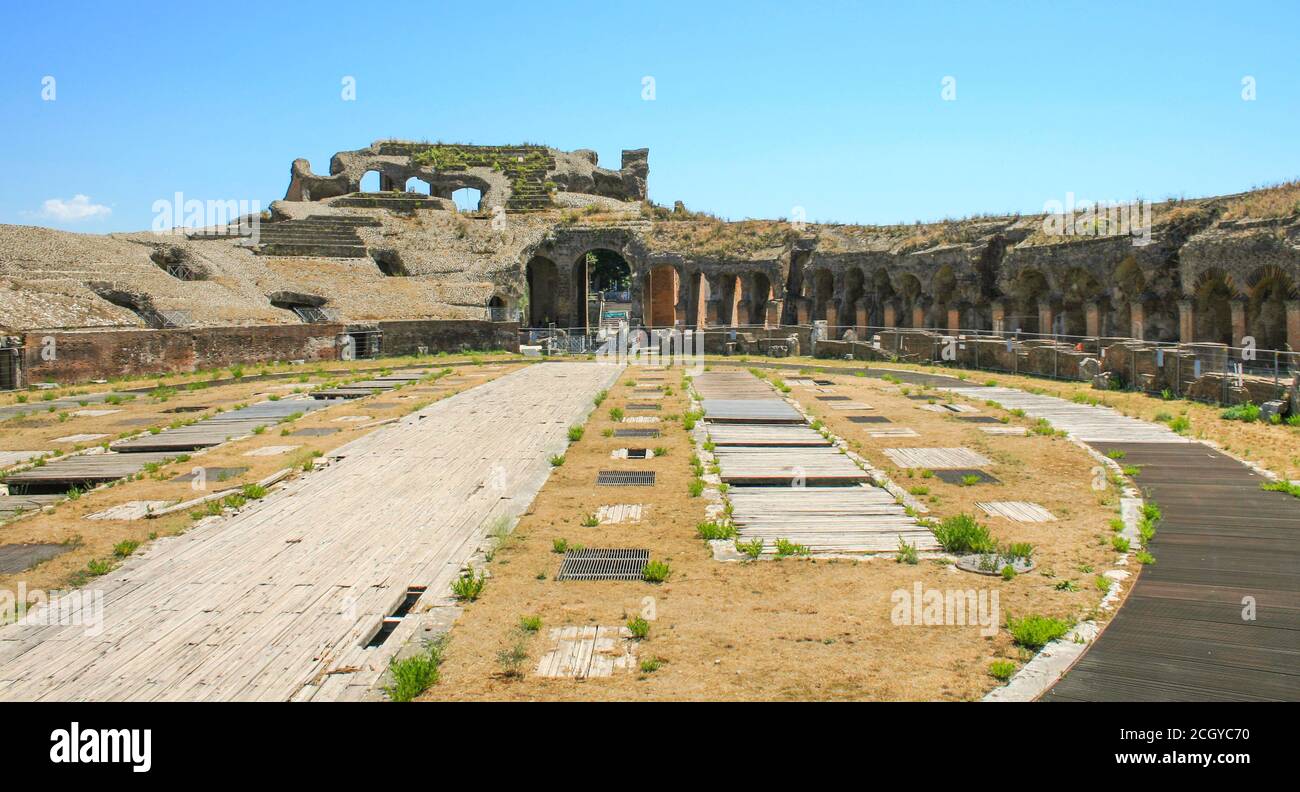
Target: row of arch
x=1074 y=302
x=467 y=199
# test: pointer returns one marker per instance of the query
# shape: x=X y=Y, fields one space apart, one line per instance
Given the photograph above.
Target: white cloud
x=77 y=209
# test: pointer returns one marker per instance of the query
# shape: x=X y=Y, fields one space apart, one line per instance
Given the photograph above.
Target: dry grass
x=1276 y=448
x=791 y=629
x=1280 y=200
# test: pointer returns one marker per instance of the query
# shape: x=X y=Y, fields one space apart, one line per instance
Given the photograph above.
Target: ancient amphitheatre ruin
x=567 y=443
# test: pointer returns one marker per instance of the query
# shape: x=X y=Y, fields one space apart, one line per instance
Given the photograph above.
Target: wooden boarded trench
x=281 y=600
x=786 y=481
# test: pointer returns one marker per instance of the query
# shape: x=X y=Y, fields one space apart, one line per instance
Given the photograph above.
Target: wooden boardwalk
x=1084 y=422
x=1224 y=550
x=281 y=600
x=788 y=482
x=1182 y=634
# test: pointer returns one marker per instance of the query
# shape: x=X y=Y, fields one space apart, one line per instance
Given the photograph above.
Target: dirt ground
x=781 y=629
x=1276 y=448
x=89 y=540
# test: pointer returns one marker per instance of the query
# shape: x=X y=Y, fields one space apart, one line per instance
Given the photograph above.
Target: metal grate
x=868 y=419
x=625 y=478
x=603 y=564
x=832 y=398
x=642 y=406
x=636 y=432
x=823 y=382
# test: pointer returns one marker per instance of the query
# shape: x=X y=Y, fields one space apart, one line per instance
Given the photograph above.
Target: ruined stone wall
x=88 y=355
x=407 y=338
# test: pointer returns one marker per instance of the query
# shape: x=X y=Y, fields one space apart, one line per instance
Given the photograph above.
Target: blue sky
x=759 y=107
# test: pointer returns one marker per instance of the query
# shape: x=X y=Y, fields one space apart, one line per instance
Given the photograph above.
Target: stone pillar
x=832 y=317
x=1138 y=320
x=1186 y=322
x=744 y=313
x=954 y=319
x=918 y=315
x=860 y=318
x=891 y=314
x=803 y=309
x=772 y=317
x=1293 y=324
x=999 y=316
x=1046 y=317
x=1092 y=319
x=1238 y=307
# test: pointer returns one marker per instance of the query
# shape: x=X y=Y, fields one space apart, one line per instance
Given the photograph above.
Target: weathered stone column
x=918 y=315
x=1137 y=320
x=1046 y=317
x=1293 y=324
x=772 y=316
x=803 y=309
x=1186 y=322
x=1092 y=319
x=744 y=312
x=999 y=316
x=860 y=318
x=1238 y=307
x=954 y=319
x=832 y=316
x=891 y=314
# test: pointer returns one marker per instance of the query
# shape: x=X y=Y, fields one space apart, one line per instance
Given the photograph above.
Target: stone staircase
x=318 y=236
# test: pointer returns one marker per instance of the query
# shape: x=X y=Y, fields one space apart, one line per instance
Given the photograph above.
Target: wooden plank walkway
x=1084 y=422
x=82 y=471
x=765 y=435
x=936 y=458
x=219 y=428
x=751 y=411
x=280 y=601
x=862 y=519
x=1181 y=635
x=784 y=484
x=750 y=465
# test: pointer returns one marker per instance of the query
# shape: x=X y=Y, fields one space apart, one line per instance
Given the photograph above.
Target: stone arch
x=542 y=277
x=417 y=185
x=1026 y=290
x=498 y=308
x=882 y=292
x=468 y=199
x=601 y=275
x=390 y=263
x=854 y=291
x=760 y=294
x=371 y=181
x=137 y=303
x=1268 y=290
x=823 y=284
x=178 y=263
x=309 y=308
x=1212 y=295
x=1079 y=288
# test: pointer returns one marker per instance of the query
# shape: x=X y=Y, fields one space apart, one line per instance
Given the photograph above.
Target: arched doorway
x=1027 y=289
x=909 y=288
x=369 y=181
x=602 y=289
x=1266 y=308
x=882 y=291
x=497 y=309
x=760 y=294
x=543 y=281
x=853 y=291
x=1212 y=305
x=1079 y=289
x=665 y=285
x=417 y=185
x=823 y=288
